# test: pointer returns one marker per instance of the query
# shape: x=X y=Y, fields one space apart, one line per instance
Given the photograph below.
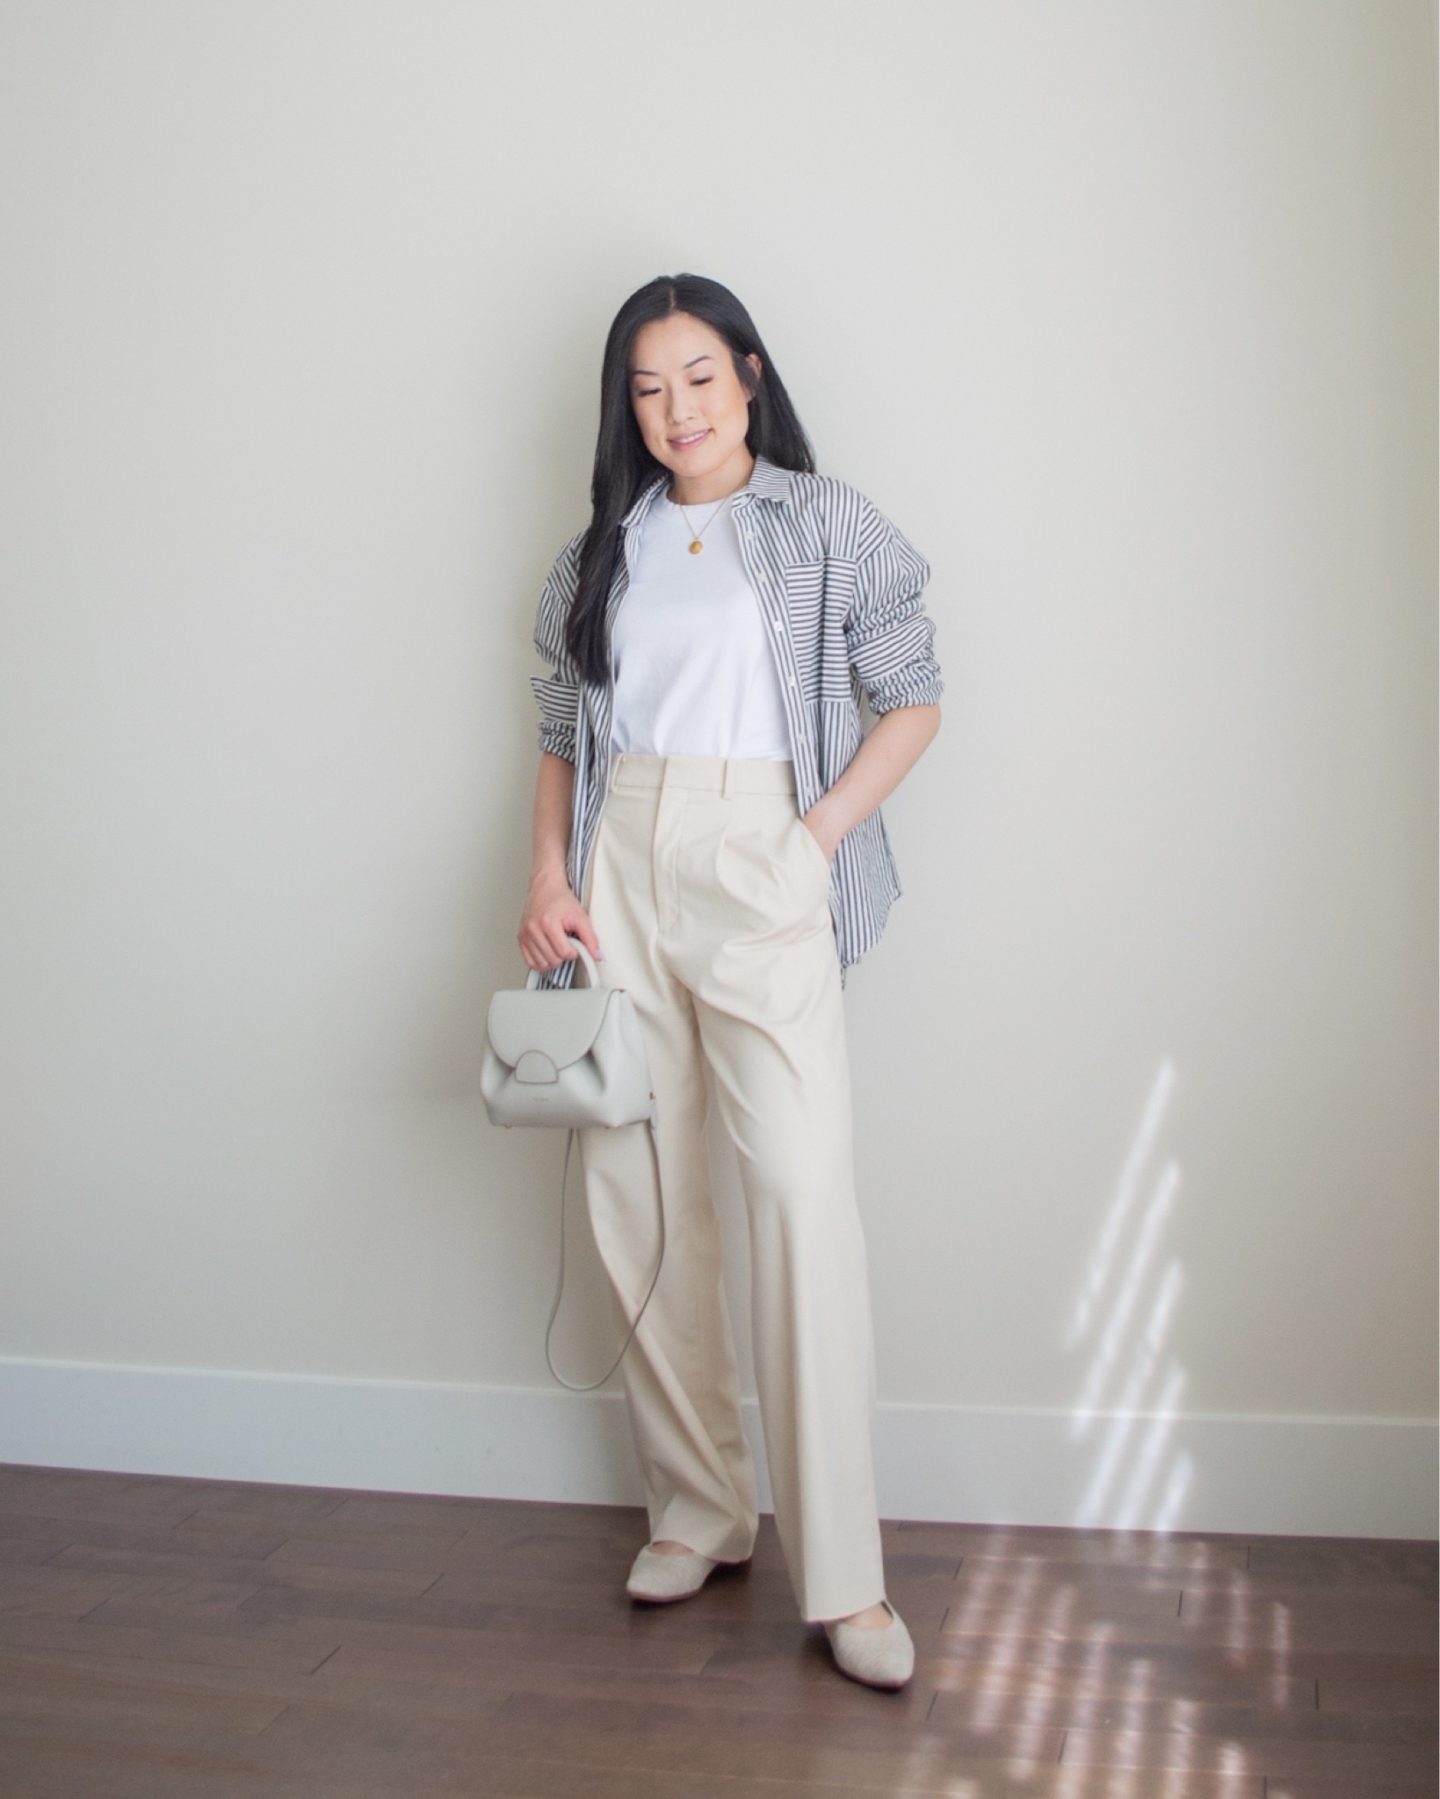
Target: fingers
x=551 y=948
x=547 y=942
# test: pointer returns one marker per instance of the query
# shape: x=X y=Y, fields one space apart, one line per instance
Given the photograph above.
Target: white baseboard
x=1289 y=1476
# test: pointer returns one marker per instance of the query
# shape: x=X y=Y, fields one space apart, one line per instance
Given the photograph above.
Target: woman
x=706 y=822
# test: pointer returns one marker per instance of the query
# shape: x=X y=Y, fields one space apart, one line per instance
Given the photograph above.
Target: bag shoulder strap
x=589 y=1386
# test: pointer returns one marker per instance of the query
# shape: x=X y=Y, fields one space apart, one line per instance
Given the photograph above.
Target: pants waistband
x=720 y=774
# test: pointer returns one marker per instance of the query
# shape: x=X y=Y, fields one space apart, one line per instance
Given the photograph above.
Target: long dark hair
x=623 y=464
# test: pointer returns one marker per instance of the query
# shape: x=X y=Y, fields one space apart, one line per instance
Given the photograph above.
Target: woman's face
x=692 y=411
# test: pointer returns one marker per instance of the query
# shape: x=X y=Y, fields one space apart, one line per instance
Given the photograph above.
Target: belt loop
x=729 y=785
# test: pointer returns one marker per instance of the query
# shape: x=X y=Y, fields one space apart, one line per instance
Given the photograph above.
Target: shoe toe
x=661 y=1578
x=879 y=1658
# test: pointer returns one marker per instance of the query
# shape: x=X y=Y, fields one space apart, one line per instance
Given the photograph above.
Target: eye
x=643 y=393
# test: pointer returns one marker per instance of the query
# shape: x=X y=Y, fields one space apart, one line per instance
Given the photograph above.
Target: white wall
x=1126 y=313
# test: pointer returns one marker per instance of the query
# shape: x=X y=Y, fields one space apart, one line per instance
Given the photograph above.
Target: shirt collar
x=768 y=481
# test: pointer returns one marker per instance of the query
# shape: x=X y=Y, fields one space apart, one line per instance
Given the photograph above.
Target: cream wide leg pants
x=710 y=899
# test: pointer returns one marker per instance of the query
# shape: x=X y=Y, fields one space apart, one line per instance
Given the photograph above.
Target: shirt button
x=792 y=680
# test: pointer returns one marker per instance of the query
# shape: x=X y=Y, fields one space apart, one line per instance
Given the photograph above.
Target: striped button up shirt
x=840 y=589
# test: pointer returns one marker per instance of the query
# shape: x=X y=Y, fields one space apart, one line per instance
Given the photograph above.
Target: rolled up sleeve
x=558 y=693
x=889 y=635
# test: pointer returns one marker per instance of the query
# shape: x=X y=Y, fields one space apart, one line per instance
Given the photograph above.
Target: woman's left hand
x=814 y=823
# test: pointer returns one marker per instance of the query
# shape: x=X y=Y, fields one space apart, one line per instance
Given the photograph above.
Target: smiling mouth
x=688 y=443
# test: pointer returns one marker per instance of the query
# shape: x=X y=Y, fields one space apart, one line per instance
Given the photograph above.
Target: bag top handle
x=592 y=973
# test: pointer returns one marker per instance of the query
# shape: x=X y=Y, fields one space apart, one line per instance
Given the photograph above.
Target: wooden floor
x=166 y=1638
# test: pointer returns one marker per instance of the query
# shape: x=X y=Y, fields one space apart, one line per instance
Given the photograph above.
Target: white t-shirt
x=694 y=670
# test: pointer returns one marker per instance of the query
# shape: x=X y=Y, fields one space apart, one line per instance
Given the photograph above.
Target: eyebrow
x=707 y=357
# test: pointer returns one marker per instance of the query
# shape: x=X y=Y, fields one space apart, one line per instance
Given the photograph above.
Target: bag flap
x=563 y=1022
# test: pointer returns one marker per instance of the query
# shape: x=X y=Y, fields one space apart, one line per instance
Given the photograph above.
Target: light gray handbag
x=571 y=1057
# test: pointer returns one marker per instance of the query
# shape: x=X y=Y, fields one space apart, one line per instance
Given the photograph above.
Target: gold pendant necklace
x=695 y=544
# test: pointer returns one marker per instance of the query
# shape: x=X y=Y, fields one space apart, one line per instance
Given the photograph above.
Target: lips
x=688 y=443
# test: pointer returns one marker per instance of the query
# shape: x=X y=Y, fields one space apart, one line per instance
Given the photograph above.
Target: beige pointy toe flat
x=662 y=1578
x=879 y=1658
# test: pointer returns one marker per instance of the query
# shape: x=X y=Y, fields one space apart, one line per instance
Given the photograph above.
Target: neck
x=708 y=490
